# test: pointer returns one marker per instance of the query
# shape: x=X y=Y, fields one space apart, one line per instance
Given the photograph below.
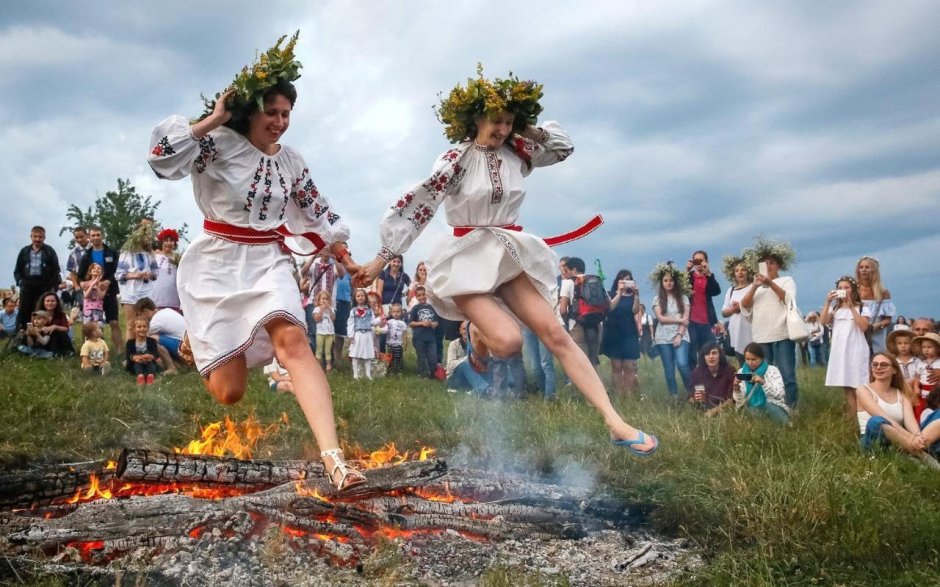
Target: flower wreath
x=763 y=248
x=483 y=97
x=272 y=67
x=683 y=287
x=729 y=262
x=168 y=233
x=141 y=239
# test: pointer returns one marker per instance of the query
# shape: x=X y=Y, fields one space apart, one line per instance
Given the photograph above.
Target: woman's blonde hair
x=876 y=286
x=897 y=378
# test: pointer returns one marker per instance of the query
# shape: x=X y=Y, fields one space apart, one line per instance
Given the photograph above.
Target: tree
x=117 y=213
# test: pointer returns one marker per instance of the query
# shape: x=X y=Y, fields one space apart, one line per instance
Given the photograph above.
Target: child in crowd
x=278 y=377
x=848 y=352
x=378 y=311
x=395 y=338
x=94 y=290
x=36 y=339
x=94 y=351
x=899 y=345
x=324 y=316
x=8 y=318
x=141 y=351
x=423 y=320
x=360 y=333
x=927 y=347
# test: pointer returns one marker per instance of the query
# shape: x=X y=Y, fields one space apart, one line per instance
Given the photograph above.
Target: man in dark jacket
x=107 y=257
x=702 y=316
x=37 y=271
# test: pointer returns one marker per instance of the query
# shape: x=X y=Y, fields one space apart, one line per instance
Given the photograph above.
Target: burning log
x=23 y=489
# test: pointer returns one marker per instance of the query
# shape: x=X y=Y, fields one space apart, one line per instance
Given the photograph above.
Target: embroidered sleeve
x=123 y=266
x=556 y=147
x=408 y=216
x=310 y=211
x=154 y=267
x=175 y=153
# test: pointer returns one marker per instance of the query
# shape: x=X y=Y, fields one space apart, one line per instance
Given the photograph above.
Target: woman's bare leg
x=616 y=377
x=228 y=383
x=851 y=403
x=129 y=315
x=631 y=381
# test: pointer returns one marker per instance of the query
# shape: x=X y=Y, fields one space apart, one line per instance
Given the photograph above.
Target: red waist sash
x=250 y=236
x=552 y=241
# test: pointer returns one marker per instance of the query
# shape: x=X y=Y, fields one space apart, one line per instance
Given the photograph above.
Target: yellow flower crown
x=483 y=97
x=271 y=67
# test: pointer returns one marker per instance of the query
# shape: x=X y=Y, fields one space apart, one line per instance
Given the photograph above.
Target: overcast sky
x=697 y=124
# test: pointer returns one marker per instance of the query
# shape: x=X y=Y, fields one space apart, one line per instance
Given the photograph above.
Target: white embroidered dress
x=229 y=290
x=482 y=187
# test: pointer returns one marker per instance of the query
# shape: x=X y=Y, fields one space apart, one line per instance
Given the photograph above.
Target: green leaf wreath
x=763 y=247
x=680 y=277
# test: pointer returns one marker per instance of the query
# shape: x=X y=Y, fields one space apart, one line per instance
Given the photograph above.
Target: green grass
x=766 y=505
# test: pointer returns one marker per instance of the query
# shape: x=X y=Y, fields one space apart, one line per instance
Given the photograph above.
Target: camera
x=744 y=376
x=629 y=283
x=696 y=261
x=840 y=293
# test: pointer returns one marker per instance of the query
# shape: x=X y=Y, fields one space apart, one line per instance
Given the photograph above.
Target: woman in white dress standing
x=848 y=355
x=739 y=329
x=236 y=286
x=490 y=271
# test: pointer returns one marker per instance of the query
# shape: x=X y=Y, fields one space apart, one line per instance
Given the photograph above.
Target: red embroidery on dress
x=493 y=164
x=253 y=188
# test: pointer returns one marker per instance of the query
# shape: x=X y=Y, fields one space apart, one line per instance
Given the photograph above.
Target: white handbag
x=796 y=326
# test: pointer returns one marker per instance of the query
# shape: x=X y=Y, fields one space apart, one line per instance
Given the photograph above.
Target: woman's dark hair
x=755 y=349
x=676 y=294
x=622 y=274
x=709 y=347
x=41 y=305
x=239 y=121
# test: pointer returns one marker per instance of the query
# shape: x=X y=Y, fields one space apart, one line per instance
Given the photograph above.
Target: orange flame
x=230 y=439
x=389 y=455
x=305 y=491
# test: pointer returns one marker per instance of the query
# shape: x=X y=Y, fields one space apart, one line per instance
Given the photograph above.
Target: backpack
x=591 y=302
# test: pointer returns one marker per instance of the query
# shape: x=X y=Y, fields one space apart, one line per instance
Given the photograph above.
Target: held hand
x=736 y=307
x=759 y=279
x=757 y=379
x=370 y=271
x=934 y=377
x=918 y=442
x=677 y=340
x=830 y=296
x=705 y=269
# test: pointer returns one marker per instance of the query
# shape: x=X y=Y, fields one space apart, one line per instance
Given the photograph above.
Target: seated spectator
x=142 y=354
x=35 y=339
x=8 y=318
x=278 y=377
x=461 y=376
x=712 y=380
x=760 y=387
x=930 y=424
x=94 y=353
x=58 y=327
x=167 y=327
x=885 y=413
x=900 y=344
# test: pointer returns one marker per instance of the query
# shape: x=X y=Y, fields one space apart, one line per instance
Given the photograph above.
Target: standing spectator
x=739 y=329
x=343 y=306
x=621 y=339
x=646 y=331
x=321 y=273
x=107 y=257
x=702 y=316
x=901 y=324
x=8 y=318
x=927 y=347
x=392 y=285
x=36 y=272
x=848 y=356
x=136 y=270
x=540 y=361
x=421 y=278
x=765 y=305
x=900 y=343
x=877 y=299
x=359 y=329
x=82 y=245
x=164 y=293
x=921 y=326
x=94 y=289
x=585 y=333
x=671 y=307
x=423 y=320
x=814 y=344
x=396 y=331
x=324 y=316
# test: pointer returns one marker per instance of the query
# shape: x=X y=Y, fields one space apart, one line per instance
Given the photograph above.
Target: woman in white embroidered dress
x=490 y=271
x=237 y=290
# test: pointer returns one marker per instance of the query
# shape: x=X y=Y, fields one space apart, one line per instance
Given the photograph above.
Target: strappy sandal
x=350 y=477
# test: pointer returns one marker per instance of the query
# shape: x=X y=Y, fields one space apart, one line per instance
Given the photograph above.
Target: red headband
x=168 y=233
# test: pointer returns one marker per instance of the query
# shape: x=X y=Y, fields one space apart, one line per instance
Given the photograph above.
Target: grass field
x=766 y=505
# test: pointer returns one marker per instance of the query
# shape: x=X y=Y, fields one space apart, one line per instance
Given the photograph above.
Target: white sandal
x=350 y=477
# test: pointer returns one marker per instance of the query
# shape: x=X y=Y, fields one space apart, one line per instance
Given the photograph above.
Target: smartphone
x=762 y=268
x=744 y=376
x=840 y=293
x=629 y=283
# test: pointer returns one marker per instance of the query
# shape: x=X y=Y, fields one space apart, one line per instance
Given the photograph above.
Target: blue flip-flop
x=629 y=444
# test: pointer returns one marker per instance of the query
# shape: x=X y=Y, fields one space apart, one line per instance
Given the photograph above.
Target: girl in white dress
x=360 y=332
x=236 y=285
x=739 y=329
x=137 y=272
x=848 y=354
x=165 y=294
x=489 y=270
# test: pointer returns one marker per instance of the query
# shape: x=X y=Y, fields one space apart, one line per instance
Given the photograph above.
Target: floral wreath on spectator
x=763 y=248
x=141 y=239
x=729 y=262
x=171 y=234
x=681 y=278
x=274 y=66
x=483 y=97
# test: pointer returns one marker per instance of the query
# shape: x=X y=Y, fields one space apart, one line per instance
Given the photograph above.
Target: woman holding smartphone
x=759 y=387
x=621 y=338
x=844 y=311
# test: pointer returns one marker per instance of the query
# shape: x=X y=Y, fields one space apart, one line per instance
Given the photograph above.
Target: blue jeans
x=541 y=361
x=699 y=336
x=311 y=327
x=772 y=411
x=874 y=435
x=782 y=355
x=673 y=357
x=815 y=354
x=465 y=378
x=508 y=376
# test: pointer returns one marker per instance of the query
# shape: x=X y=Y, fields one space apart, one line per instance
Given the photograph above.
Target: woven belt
x=250 y=236
x=552 y=241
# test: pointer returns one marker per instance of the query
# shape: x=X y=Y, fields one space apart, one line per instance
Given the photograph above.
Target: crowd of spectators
x=743 y=356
